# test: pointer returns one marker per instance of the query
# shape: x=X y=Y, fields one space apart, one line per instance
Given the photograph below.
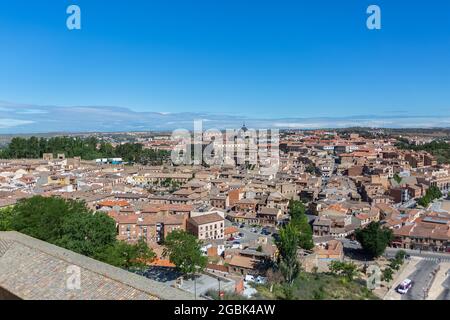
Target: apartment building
x=208 y=226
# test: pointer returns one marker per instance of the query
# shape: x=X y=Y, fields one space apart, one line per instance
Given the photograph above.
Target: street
x=421 y=279
x=427 y=255
x=427 y=283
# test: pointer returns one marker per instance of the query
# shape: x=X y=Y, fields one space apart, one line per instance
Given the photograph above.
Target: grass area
x=319 y=286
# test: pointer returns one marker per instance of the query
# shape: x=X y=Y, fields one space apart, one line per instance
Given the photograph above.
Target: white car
x=404 y=286
x=249 y=278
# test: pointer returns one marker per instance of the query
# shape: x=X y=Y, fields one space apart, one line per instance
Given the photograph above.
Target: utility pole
x=220 y=296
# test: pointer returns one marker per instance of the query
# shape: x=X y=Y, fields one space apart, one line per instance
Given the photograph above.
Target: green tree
x=300 y=221
x=311 y=169
x=395 y=264
x=127 y=256
x=6 y=218
x=424 y=201
x=43 y=218
x=400 y=255
x=71 y=225
x=432 y=193
x=374 y=239
x=349 y=270
x=388 y=274
x=184 y=250
x=296 y=209
x=287 y=244
x=87 y=233
x=87 y=148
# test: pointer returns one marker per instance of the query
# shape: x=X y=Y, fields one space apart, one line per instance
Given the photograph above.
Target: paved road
x=427 y=255
x=421 y=278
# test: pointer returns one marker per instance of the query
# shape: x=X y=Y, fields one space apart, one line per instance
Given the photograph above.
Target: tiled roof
x=207 y=218
x=35 y=270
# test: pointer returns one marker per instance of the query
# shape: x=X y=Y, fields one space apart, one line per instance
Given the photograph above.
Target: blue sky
x=249 y=58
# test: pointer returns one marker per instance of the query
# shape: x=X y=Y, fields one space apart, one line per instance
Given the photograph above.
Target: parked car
x=231 y=239
x=242 y=226
x=254 y=230
x=236 y=242
x=260 y=280
x=249 y=278
x=241 y=234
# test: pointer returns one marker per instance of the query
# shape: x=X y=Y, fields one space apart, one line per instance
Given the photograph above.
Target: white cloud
x=10 y=123
x=31 y=111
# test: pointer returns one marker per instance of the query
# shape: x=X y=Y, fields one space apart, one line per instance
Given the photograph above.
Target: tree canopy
x=183 y=250
x=71 y=225
x=349 y=270
x=374 y=239
x=87 y=148
x=6 y=216
x=432 y=193
x=288 y=244
x=300 y=222
x=127 y=256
